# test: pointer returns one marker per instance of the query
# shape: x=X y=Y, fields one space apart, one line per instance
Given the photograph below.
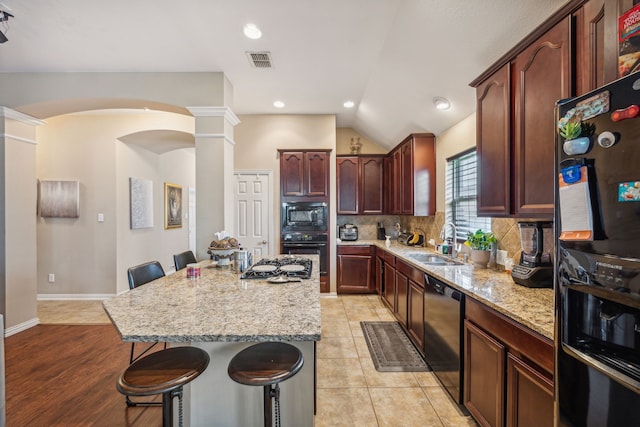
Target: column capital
x=225 y=112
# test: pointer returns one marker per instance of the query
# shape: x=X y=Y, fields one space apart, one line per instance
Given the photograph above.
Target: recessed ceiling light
x=278 y=104
x=349 y=104
x=252 y=31
x=441 y=103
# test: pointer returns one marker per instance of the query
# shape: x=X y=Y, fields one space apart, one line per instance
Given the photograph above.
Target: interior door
x=253 y=213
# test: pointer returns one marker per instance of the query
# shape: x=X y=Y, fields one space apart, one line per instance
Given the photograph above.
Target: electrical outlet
x=52 y=277
x=501 y=257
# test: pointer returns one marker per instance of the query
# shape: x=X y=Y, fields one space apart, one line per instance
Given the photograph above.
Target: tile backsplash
x=505 y=229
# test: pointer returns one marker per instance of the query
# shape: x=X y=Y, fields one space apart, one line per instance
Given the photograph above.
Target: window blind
x=461 y=195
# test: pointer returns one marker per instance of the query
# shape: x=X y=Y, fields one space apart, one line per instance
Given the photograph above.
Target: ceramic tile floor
x=350 y=390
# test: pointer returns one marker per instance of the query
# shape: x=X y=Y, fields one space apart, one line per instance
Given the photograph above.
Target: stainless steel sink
x=431 y=259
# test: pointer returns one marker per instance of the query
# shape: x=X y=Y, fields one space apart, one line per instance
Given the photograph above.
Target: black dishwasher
x=443 y=309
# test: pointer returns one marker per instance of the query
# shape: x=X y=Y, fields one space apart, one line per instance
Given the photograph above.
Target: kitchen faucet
x=453 y=252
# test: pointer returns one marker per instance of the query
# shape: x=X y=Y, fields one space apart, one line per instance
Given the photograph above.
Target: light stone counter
x=223 y=314
x=531 y=307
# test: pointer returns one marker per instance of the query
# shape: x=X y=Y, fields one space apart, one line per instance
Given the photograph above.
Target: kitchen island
x=223 y=314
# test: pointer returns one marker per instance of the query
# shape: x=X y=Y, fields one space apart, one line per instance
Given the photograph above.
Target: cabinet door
x=354 y=274
x=493 y=143
x=541 y=76
x=406 y=183
x=316 y=173
x=348 y=185
x=371 y=185
x=484 y=368
x=396 y=182
x=388 y=183
x=529 y=395
x=390 y=286
x=292 y=173
x=590 y=46
x=402 y=290
x=415 y=320
x=379 y=275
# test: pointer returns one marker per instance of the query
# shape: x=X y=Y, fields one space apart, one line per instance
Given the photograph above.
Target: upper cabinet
x=360 y=184
x=413 y=176
x=540 y=77
x=304 y=173
x=575 y=51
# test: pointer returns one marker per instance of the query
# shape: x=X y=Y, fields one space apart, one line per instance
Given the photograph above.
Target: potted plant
x=577 y=136
x=480 y=243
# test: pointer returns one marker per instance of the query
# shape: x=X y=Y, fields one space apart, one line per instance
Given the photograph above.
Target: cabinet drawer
x=355 y=250
x=518 y=339
x=411 y=272
x=389 y=258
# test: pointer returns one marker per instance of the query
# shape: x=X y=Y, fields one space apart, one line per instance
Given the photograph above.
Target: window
x=461 y=195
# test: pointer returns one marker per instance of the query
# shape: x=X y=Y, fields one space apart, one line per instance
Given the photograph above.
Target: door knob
x=264 y=242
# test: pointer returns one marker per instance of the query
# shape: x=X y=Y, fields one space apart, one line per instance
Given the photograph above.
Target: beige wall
x=343 y=143
x=258 y=137
x=90 y=257
x=19 y=227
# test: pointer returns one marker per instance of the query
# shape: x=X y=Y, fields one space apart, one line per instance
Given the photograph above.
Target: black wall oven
x=598 y=273
x=297 y=243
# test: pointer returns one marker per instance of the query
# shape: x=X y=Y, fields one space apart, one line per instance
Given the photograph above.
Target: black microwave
x=304 y=216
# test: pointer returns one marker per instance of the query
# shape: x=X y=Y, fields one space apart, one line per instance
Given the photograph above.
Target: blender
x=535 y=269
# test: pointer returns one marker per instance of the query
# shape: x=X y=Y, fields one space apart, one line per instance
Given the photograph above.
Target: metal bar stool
x=266 y=364
x=164 y=372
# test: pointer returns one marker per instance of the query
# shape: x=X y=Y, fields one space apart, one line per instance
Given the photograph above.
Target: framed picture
x=141 y=203
x=172 y=206
x=59 y=199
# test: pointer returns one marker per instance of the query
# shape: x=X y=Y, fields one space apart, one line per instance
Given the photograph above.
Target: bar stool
x=266 y=364
x=164 y=372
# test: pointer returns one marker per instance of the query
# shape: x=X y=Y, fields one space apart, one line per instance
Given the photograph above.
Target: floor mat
x=391 y=349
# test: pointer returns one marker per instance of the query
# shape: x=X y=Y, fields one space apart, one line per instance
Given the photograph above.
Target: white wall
x=90 y=258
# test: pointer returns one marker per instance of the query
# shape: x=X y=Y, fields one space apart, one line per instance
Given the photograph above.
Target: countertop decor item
x=480 y=243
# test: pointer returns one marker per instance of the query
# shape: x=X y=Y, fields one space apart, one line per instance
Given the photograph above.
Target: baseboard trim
x=78 y=297
x=21 y=327
x=329 y=295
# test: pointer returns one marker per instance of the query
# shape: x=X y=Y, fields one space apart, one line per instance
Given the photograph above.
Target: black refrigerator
x=597 y=257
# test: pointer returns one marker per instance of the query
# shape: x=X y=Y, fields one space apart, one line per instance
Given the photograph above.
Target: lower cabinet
x=508 y=369
x=402 y=290
x=355 y=269
x=389 y=290
x=410 y=301
x=379 y=273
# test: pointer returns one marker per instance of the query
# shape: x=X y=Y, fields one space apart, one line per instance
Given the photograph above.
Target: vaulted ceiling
x=391 y=57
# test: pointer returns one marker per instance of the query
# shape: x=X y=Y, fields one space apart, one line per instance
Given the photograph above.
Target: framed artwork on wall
x=172 y=206
x=141 y=203
x=59 y=199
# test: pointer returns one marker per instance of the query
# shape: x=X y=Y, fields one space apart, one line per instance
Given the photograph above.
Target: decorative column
x=18 y=196
x=214 y=173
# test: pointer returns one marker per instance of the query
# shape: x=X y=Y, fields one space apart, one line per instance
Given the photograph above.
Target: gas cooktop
x=286 y=266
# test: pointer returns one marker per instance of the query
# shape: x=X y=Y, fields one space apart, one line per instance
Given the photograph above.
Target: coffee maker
x=535 y=269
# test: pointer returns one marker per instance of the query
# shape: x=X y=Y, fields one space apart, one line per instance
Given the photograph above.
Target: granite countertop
x=218 y=306
x=531 y=307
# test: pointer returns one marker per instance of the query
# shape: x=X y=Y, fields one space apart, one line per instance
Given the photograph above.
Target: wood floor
x=82 y=394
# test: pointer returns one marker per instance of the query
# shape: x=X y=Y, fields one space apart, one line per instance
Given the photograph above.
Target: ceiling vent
x=260 y=59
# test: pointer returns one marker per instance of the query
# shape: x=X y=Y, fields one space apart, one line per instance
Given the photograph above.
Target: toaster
x=348 y=232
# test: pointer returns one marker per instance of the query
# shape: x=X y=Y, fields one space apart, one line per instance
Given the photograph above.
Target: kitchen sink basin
x=431 y=259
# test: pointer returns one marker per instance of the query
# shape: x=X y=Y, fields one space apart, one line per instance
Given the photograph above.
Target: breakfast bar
x=222 y=313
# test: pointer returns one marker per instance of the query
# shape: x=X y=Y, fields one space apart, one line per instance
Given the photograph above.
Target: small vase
x=480 y=258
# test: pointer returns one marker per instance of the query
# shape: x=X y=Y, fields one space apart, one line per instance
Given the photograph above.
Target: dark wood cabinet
x=379 y=274
x=304 y=173
x=360 y=183
x=541 y=75
x=484 y=376
x=530 y=395
x=508 y=369
x=412 y=176
x=389 y=293
x=402 y=290
x=493 y=144
x=355 y=269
